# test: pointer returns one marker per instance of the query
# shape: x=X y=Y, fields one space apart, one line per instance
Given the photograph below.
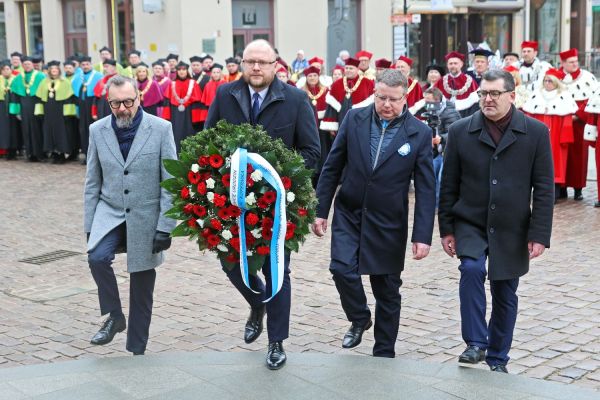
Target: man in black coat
x=496 y=202
x=284 y=112
x=380 y=147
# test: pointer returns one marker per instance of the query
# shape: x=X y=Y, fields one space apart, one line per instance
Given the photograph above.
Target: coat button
x=494 y=181
x=126 y=191
x=495 y=157
x=125 y=172
x=365 y=209
x=493 y=206
x=492 y=230
x=127 y=210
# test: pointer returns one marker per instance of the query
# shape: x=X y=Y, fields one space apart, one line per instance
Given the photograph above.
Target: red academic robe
x=414 y=96
x=193 y=102
x=208 y=95
x=320 y=106
x=338 y=104
x=461 y=89
x=591 y=129
x=100 y=94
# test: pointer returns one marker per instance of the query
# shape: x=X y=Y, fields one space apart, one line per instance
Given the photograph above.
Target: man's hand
x=535 y=249
x=319 y=227
x=19 y=117
x=436 y=140
x=449 y=245
x=333 y=133
x=162 y=241
x=94 y=117
x=420 y=250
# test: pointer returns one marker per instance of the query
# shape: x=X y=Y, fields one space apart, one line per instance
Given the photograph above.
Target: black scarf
x=125 y=136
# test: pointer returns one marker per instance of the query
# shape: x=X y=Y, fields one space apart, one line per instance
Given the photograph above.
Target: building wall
x=14 y=40
x=159 y=34
x=97 y=27
x=376 y=29
x=52 y=30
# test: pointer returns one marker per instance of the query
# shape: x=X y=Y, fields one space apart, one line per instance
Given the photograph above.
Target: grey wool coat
x=118 y=191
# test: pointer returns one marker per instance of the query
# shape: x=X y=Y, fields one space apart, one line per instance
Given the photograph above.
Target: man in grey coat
x=124 y=208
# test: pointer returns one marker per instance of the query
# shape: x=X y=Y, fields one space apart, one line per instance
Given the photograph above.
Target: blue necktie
x=255 y=107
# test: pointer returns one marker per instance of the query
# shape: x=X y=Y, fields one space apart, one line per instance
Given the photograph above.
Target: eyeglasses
x=548 y=81
x=116 y=104
x=391 y=100
x=494 y=94
x=261 y=64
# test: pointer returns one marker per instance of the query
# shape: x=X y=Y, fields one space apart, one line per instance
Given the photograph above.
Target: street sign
x=401 y=19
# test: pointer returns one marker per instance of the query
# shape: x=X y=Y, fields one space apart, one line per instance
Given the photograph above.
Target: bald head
x=262 y=46
x=259 y=64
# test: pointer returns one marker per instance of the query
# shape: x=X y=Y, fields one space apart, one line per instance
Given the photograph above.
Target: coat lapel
x=242 y=96
x=477 y=125
x=274 y=94
x=111 y=141
x=408 y=128
x=141 y=137
x=517 y=125
x=363 y=128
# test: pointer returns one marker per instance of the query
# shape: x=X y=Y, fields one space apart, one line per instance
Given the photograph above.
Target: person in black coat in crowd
x=496 y=202
x=284 y=112
x=380 y=147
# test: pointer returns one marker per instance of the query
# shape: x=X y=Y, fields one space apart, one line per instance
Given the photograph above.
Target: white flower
x=210 y=183
x=228 y=162
x=195 y=168
x=256 y=175
x=210 y=196
x=250 y=199
x=256 y=233
x=291 y=197
x=200 y=222
x=222 y=248
x=248 y=253
x=226 y=234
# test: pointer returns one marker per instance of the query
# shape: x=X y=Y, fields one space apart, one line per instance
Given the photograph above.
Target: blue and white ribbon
x=237 y=195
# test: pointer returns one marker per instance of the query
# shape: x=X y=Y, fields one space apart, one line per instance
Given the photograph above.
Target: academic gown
x=55 y=109
x=83 y=88
x=339 y=103
x=461 y=89
x=319 y=106
x=151 y=96
x=9 y=124
x=24 y=104
x=208 y=95
x=100 y=108
x=183 y=121
x=72 y=122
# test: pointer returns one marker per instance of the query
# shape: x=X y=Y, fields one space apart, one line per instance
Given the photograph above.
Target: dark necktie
x=255 y=107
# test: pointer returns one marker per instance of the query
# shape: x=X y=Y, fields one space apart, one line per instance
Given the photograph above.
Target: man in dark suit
x=494 y=160
x=285 y=113
x=379 y=147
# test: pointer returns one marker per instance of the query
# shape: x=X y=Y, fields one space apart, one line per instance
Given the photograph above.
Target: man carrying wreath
x=285 y=113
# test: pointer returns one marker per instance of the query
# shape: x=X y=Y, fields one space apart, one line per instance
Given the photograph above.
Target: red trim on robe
x=208 y=95
x=182 y=88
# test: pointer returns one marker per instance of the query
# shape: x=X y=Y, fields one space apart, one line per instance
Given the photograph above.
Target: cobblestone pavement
x=48 y=312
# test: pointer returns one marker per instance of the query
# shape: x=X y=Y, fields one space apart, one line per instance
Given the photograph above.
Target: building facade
x=58 y=28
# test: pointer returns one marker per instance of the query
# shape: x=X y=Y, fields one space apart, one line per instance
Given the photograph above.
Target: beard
x=124 y=120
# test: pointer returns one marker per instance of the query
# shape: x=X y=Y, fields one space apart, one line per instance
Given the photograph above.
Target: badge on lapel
x=404 y=150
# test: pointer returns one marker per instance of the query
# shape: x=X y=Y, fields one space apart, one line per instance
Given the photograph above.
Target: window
x=120 y=26
x=3 y=49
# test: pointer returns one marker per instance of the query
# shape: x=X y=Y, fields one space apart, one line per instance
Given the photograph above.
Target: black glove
x=162 y=241
x=87 y=237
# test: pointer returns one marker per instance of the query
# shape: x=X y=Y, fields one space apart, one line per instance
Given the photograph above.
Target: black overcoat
x=371 y=207
x=497 y=197
x=285 y=113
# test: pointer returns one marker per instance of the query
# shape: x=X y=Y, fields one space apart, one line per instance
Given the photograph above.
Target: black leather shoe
x=353 y=337
x=578 y=195
x=499 y=368
x=254 y=325
x=472 y=355
x=110 y=328
x=276 y=355
x=563 y=193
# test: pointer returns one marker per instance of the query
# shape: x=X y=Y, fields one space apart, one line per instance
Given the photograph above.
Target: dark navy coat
x=498 y=198
x=371 y=207
x=285 y=113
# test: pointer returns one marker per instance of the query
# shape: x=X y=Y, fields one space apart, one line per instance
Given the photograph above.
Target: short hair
x=261 y=43
x=393 y=78
x=119 y=80
x=495 y=74
x=435 y=92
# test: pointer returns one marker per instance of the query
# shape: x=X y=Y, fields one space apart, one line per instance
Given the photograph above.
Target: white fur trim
x=551 y=103
x=329 y=126
x=417 y=106
x=366 y=102
x=593 y=104
x=466 y=103
x=590 y=133
x=329 y=99
x=583 y=87
x=320 y=114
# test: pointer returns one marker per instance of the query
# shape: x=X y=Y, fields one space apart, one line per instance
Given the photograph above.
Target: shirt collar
x=262 y=94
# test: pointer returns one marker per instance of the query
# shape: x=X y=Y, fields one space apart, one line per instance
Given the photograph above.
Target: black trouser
x=141 y=289
x=386 y=289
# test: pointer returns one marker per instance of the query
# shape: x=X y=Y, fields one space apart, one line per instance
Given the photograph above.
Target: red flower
x=223 y=213
x=263 y=250
x=267 y=222
x=287 y=182
x=267 y=234
x=188 y=208
x=219 y=200
x=249 y=169
x=185 y=193
x=225 y=179
x=235 y=243
x=250 y=240
x=270 y=196
x=205 y=232
x=251 y=219
x=213 y=240
x=216 y=224
x=302 y=212
x=234 y=211
x=289 y=233
x=235 y=230
x=249 y=181
x=204 y=176
x=199 y=210
x=193 y=177
x=262 y=203
x=216 y=161
x=232 y=258
x=201 y=188
x=191 y=223
x=203 y=161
